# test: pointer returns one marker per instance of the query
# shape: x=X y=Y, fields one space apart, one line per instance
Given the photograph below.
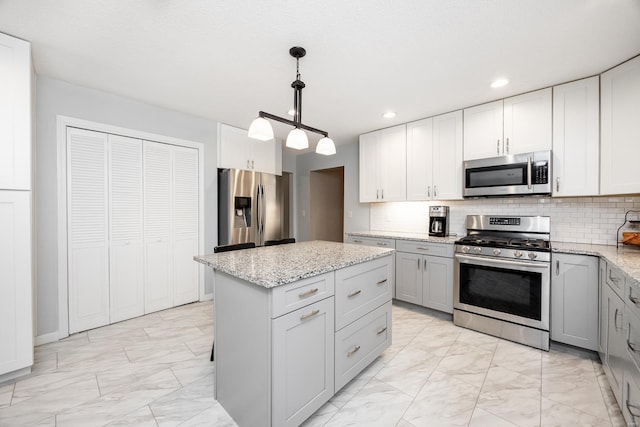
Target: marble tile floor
x=155 y=371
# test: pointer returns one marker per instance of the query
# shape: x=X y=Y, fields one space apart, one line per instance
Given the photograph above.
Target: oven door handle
x=504 y=261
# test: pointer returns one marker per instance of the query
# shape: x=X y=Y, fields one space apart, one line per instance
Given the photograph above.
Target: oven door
x=515 y=291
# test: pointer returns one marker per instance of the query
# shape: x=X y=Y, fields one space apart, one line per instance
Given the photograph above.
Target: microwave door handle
x=529 y=172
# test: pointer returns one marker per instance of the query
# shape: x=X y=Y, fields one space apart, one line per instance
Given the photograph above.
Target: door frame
x=62 y=122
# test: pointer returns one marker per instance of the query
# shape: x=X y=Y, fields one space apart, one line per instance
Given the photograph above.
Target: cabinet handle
x=418 y=264
x=632 y=347
x=381 y=244
x=380 y=331
x=383 y=281
x=507 y=145
x=498 y=148
x=252 y=165
x=558 y=184
x=429 y=191
x=357 y=241
x=422 y=248
x=382 y=193
x=308 y=315
x=631 y=408
x=248 y=165
x=307 y=293
x=615 y=319
x=613 y=278
x=353 y=294
x=435 y=191
x=377 y=194
x=354 y=351
x=425 y=264
x=633 y=299
x=557 y=267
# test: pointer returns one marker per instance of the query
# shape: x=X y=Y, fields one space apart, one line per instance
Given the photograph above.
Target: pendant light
x=261 y=128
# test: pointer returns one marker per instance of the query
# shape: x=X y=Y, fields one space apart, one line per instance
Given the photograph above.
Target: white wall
x=592 y=220
x=54 y=97
x=347 y=156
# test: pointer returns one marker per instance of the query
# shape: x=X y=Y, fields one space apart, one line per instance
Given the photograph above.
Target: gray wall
x=54 y=97
x=347 y=156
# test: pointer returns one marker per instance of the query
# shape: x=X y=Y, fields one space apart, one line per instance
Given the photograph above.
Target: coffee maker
x=439 y=221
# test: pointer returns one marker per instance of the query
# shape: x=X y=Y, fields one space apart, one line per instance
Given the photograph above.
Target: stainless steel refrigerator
x=252 y=207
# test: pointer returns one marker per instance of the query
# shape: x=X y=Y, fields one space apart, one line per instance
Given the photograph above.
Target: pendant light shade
x=326 y=146
x=261 y=129
x=297 y=139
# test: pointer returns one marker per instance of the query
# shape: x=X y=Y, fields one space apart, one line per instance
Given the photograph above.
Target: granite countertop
x=272 y=266
x=625 y=258
x=420 y=237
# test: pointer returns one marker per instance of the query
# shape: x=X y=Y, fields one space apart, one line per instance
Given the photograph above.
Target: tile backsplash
x=592 y=220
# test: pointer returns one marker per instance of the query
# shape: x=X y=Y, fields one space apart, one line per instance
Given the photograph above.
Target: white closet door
x=16 y=342
x=158 y=265
x=185 y=228
x=88 y=245
x=125 y=228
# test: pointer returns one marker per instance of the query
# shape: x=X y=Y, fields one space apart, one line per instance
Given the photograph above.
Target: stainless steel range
x=502 y=278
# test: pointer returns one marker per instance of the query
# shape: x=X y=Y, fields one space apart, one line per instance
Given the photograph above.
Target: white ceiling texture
x=227 y=59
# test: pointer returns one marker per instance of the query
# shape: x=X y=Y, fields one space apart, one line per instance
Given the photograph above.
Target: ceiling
x=227 y=59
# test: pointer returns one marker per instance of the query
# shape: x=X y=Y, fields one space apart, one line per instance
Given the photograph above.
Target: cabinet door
x=616 y=342
x=303 y=362
x=126 y=285
x=368 y=171
x=264 y=156
x=185 y=225
x=602 y=313
x=576 y=145
x=619 y=147
x=483 y=131
x=409 y=277
x=16 y=332
x=158 y=266
x=392 y=161
x=233 y=151
x=15 y=114
x=88 y=239
x=419 y=159
x=527 y=122
x=438 y=283
x=447 y=156
x=574 y=300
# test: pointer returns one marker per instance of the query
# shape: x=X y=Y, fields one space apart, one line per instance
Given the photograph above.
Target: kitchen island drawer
x=361 y=288
x=380 y=242
x=360 y=343
x=293 y=296
x=434 y=249
x=616 y=279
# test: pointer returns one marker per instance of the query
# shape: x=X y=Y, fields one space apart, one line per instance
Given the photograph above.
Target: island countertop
x=272 y=266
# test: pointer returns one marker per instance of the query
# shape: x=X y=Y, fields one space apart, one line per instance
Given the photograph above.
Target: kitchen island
x=294 y=323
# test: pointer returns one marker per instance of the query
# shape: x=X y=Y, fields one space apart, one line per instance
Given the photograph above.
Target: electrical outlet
x=349 y=214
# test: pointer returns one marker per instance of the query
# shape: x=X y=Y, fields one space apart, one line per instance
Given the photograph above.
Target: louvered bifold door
x=88 y=245
x=185 y=225
x=158 y=259
x=125 y=228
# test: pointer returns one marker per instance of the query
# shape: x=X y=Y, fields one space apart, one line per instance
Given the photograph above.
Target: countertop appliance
x=512 y=175
x=252 y=207
x=502 y=276
x=439 y=221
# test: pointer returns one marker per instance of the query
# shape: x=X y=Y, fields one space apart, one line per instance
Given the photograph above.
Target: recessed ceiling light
x=499 y=83
x=389 y=114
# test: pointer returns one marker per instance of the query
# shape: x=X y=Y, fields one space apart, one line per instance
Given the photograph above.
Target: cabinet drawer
x=360 y=343
x=616 y=279
x=434 y=249
x=630 y=402
x=301 y=293
x=361 y=288
x=380 y=242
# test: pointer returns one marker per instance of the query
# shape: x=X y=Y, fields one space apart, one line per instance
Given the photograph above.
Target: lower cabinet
x=574 y=300
x=380 y=242
x=425 y=280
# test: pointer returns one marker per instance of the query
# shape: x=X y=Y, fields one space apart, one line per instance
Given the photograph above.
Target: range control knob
x=497 y=251
x=517 y=254
x=465 y=249
x=477 y=250
x=532 y=255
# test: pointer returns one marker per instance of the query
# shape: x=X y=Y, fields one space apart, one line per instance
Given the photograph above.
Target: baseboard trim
x=207 y=297
x=46 y=338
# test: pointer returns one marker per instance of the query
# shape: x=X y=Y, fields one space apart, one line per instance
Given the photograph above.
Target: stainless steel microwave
x=512 y=175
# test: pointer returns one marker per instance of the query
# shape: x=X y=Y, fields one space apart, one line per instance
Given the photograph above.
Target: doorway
x=326 y=205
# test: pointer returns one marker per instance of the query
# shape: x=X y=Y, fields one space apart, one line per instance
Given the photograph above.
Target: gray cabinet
x=574 y=300
x=424 y=274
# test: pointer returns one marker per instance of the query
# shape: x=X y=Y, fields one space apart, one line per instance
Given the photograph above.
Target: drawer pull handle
x=357 y=241
x=382 y=282
x=307 y=293
x=422 y=248
x=615 y=319
x=632 y=346
x=382 y=244
x=353 y=294
x=354 y=351
x=380 y=331
x=634 y=410
x=308 y=315
x=634 y=300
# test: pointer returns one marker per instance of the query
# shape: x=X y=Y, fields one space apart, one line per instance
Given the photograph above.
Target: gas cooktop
x=505 y=242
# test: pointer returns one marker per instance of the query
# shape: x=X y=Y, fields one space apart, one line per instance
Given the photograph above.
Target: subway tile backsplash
x=593 y=220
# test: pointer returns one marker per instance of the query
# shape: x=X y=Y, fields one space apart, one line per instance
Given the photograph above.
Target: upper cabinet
x=620 y=138
x=383 y=165
x=15 y=113
x=576 y=128
x=237 y=151
x=434 y=158
x=520 y=124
